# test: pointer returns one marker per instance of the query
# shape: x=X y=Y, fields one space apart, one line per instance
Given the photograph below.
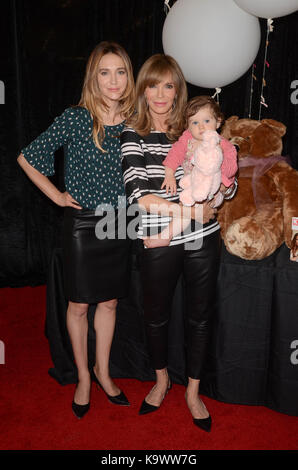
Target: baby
x=202 y=114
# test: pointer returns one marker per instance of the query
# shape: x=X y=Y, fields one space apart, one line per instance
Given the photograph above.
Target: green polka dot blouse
x=91 y=177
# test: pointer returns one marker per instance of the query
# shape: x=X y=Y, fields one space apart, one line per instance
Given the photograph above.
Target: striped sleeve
x=133 y=166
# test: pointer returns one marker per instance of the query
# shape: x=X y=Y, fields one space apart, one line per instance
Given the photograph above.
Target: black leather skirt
x=95 y=259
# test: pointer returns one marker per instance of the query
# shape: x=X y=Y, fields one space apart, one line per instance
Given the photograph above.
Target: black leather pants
x=160 y=270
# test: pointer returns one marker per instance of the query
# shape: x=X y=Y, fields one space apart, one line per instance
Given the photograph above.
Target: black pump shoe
x=147 y=408
x=204 y=423
x=80 y=410
x=116 y=400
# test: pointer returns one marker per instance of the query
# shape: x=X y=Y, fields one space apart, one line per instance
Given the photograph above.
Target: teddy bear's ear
x=232 y=119
x=228 y=125
x=265 y=141
x=278 y=127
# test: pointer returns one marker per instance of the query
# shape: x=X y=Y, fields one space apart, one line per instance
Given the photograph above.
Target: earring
x=174 y=103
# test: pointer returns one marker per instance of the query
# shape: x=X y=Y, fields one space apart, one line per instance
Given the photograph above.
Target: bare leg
x=77 y=326
x=157 y=393
x=104 y=325
x=194 y=403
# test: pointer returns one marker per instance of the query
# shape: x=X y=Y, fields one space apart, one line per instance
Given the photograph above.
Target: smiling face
x=111 y=78
x=160 y=96
x=202 y=121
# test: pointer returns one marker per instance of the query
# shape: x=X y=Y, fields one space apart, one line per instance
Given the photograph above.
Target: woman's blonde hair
x=91 y=98
x=151 y=73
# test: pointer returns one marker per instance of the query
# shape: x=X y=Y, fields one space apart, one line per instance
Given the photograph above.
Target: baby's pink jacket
x=229 y=167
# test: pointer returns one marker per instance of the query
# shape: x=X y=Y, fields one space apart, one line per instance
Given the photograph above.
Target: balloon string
x=216 y=94
x=252 y=78
x=166 y=6
x=262 y=100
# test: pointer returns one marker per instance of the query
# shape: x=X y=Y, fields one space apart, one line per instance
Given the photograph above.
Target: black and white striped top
x=144 y=173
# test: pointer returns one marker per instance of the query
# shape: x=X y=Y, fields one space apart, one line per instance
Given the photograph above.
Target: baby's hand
x=170 y=184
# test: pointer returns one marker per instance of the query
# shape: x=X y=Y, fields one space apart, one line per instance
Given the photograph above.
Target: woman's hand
x=152 y=242
x=223 y=188
x=66 y=200
x=46 y=186
x=209 y=212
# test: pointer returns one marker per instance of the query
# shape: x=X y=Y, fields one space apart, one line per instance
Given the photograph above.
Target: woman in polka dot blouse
x=95 y=266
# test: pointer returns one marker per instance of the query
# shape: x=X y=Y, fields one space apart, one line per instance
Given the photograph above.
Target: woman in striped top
x=158 y=122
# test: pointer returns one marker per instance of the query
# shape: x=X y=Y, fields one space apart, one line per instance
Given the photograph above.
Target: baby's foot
x=156 y=242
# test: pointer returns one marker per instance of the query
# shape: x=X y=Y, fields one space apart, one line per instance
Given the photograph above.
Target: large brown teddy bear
x=258 y=219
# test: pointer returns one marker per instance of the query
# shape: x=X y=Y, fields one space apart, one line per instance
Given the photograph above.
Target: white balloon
x=268 y=8
x=214 y=41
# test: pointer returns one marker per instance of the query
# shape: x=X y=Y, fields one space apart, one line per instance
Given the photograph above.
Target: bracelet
x=231 y=191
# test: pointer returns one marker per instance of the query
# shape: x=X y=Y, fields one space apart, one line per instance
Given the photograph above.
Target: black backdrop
x=44 y=47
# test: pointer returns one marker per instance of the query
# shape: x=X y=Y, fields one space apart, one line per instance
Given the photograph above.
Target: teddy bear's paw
x=246 y=239
x=186 y=199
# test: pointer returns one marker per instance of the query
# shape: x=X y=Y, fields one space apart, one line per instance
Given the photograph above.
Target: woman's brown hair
x=91 y=98
x=198 y=102
x=151 y=73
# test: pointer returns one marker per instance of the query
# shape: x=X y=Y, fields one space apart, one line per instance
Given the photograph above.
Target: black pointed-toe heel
x=204 y=423
x=147 y=408
x=80 y=410
x=116 y=400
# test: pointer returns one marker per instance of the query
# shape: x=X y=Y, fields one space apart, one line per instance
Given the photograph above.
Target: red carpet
x=35 y=411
